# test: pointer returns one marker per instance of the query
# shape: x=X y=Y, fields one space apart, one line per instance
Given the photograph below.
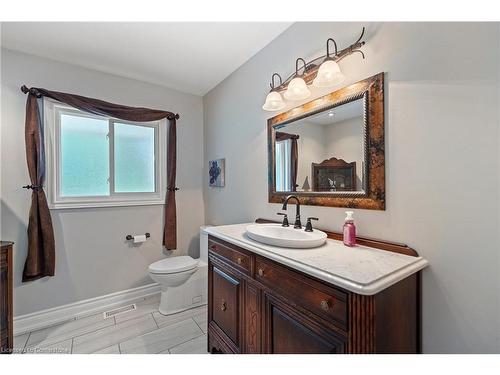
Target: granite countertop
x=361 y=269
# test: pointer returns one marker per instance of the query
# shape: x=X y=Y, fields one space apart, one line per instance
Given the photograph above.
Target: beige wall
x=93 y=257
x=441 y=129
x=344 y=140
x=310 y=145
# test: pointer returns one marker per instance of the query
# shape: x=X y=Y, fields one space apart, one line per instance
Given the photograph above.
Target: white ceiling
x=192 y=57
x=340 y=113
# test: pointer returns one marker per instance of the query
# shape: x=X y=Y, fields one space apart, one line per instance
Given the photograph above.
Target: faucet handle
x=285 y=219
x=309 y=227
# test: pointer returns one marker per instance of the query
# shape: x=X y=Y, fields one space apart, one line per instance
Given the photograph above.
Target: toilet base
x=162 y=311
x=191 y=294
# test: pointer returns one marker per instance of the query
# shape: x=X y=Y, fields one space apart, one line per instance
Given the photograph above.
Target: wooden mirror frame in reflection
x=373 y=194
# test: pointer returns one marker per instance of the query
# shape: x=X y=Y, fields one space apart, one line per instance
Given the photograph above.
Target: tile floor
x=140 y=331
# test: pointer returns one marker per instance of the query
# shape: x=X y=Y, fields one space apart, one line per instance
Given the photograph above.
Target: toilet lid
x=173 y=265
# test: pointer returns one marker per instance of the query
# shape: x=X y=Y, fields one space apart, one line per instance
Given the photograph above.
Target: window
x=97 y=161
x=283 y=165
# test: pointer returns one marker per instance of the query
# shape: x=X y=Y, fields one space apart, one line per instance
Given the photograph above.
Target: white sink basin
x=276 y=235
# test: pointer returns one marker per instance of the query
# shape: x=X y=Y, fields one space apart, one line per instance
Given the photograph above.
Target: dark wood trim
x=362 y=332
x=252 y=311
x=11 y=296
x=419 y=311
x=218 y=342
x=397 y=306
x=372 y=90
x=393 y=247
x=6 y=295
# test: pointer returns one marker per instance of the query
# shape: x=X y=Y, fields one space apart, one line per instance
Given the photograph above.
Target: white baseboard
x=55 y=315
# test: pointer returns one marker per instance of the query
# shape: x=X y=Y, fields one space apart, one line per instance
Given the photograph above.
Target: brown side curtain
x=40 y=260
x=170 y=229
x=294 y=156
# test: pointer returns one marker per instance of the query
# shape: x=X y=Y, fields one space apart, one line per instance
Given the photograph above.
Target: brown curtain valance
x=294 y=155
x=280 y=136
x=40 y=260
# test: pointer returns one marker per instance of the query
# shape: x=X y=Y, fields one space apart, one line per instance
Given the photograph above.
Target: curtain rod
x=34 y=91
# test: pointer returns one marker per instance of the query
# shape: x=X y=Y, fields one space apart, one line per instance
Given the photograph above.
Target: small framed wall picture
x=216 y=172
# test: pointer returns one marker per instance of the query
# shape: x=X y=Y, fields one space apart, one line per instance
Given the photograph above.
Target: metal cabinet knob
x=325 y=305
x=223 y=305
x=260 y=272
x=239 y=260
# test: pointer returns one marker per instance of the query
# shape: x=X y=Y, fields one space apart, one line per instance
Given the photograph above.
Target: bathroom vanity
x=329 y=299
x=267 y=297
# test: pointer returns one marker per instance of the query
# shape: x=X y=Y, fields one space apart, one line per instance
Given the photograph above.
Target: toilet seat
x=173 y=265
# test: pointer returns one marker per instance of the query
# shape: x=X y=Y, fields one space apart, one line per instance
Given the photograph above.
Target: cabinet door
x=288 y=331
x=225 y=303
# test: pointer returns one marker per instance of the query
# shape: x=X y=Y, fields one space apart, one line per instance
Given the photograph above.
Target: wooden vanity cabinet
x=257 y=305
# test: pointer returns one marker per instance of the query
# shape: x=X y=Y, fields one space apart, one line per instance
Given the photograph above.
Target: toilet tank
x=204 y=243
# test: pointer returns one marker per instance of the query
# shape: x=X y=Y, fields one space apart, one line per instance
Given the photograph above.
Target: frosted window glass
x=134 y=158
x=84 y=156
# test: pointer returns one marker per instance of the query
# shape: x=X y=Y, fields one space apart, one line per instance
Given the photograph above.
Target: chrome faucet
x=298 y=224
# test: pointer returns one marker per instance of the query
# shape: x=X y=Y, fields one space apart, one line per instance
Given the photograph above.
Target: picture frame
x=216 y=173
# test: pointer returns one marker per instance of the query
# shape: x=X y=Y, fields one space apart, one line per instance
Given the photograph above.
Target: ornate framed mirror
x=330 y=151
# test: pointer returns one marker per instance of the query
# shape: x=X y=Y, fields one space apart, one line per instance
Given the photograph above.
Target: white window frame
x=52 y=131
x=284 y=168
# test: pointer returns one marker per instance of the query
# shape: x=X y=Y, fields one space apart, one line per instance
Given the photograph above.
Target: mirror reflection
x=323 y=152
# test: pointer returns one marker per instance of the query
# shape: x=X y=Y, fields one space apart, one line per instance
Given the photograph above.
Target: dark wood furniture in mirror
x=333 y=175
x=368 y=189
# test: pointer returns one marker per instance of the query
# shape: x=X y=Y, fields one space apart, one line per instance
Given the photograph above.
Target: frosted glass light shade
x=274 y=102
x=329 y=74
x=297 y=90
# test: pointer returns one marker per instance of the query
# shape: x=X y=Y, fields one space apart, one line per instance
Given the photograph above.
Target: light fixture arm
x=297 y=66
x=311 y=67
x=361 y=36
x=328 y=47
x=273 y=86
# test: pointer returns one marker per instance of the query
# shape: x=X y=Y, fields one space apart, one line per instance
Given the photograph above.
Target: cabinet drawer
x=323 y=301
x=239 y=259
x=225 y=303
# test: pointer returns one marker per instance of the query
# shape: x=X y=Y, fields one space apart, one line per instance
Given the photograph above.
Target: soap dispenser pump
x=349 y=230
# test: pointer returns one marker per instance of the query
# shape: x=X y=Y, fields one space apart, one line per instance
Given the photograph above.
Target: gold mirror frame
x=373 y=196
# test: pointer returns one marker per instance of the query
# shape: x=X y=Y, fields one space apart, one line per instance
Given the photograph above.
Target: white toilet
x=183 y=280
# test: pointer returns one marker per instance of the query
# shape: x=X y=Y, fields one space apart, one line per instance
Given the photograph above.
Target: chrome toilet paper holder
x=129 y=237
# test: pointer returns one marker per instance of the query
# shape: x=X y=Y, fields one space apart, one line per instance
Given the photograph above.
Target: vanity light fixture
x=297 y=88
x=274 y=101
x=323 y=71
x=329 y=73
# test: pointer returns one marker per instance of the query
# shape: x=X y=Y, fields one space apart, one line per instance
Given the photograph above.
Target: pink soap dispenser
x=349 y=230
